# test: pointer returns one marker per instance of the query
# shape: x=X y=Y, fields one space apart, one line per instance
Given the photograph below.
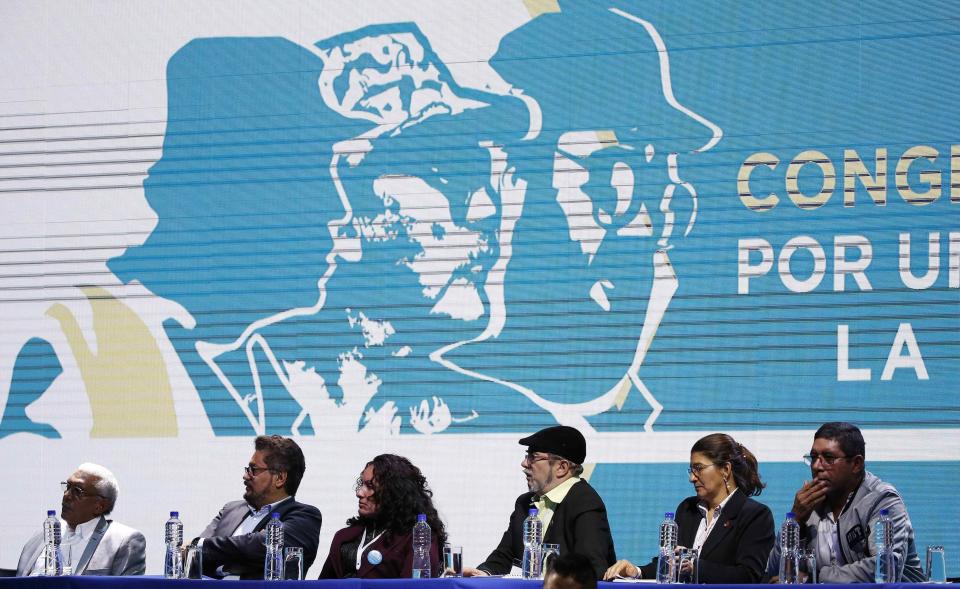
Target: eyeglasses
x=827 y=459
x=255 y=470
x=531 y=458
x=696 y=469
x=76 y=490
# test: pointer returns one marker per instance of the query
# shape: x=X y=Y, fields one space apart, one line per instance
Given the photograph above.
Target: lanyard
x=364 y=545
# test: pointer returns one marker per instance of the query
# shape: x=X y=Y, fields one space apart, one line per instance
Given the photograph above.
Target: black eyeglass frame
x=255 y=470
x=828 y=459
x=77 y=491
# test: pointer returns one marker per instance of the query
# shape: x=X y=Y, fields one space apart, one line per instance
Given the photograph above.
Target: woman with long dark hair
x=377 y=542
x=733 y=533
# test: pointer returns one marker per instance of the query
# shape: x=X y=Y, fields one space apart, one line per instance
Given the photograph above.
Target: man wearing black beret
x=572 y=512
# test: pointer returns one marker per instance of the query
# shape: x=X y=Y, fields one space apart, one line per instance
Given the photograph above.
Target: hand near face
x=808 y=498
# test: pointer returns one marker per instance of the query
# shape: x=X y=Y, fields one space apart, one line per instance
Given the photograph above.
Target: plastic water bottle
x=886 y=571
x=666 y=560
x=173 y=538
x=789 y=550
x=532 y=540
x=273 y=561
x=421 y=548
x=52 y=560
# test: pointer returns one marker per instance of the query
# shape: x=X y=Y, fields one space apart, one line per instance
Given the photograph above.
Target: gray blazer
x=113 y=549
x=855 y=533
x=243 y=555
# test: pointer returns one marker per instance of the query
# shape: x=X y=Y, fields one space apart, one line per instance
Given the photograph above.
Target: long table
x=84 y=582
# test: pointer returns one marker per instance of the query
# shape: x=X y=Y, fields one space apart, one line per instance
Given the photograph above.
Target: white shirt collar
x=719 y=508
x=82 y=531
x=704 y=529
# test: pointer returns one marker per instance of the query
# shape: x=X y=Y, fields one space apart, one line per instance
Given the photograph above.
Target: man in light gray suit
x=93 y=544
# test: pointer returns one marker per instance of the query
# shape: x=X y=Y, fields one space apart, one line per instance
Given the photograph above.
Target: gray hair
x=106 y=484
x=576 y=469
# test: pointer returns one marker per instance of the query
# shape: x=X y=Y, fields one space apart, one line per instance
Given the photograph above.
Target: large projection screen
x=430 y=228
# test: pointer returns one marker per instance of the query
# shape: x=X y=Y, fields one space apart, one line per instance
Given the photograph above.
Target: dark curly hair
x=401 y=492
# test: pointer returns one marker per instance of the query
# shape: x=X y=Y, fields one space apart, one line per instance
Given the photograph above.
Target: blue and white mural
x=431 y=229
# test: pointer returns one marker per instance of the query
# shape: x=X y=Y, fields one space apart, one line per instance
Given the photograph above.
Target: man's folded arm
x=302 y=528
x=223 y=550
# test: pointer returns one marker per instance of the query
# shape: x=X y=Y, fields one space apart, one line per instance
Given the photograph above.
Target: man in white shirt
x=90 y=543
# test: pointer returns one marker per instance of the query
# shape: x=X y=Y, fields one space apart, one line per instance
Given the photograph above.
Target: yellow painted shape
x=608 y=138
x=929 y=177
x=126 y=380
x=587 y=471
x=537 y=7
x=621 y=398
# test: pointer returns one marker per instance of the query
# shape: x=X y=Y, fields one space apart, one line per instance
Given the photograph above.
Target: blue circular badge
x=374 y=557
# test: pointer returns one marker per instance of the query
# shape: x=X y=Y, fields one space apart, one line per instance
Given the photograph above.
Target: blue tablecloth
x=476 y=583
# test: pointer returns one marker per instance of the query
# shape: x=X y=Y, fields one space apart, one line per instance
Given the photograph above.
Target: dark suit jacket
x=579 y=525
x=244 y=555
x=736 y=550
x=397 y=554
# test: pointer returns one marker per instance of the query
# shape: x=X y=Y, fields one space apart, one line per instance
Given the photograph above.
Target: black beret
x=562 y=440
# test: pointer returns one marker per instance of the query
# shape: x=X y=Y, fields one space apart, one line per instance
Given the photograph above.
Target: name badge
x=855 y=536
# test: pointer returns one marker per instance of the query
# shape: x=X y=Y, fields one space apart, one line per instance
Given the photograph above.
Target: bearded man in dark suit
x=233 y=543
x=572 y=512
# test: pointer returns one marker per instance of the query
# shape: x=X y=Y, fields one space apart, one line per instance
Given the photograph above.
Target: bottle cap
x=421 y=517
x=790 y=515
x=668 y=515
x=51 y=512
x=174 y=514
x=276 y=515
x=533 y=511
x=884 y=512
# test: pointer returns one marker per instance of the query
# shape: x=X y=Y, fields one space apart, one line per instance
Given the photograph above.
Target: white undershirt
x=72 y=543
x=253 y=519
x=704 y=529
x=828 y=541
